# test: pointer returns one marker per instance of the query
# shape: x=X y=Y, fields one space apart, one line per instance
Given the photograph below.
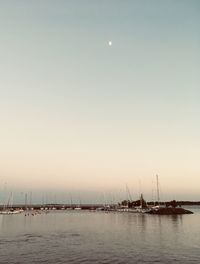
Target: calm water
x=98 y=237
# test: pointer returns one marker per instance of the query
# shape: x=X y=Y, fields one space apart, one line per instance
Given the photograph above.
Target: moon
x=110 y=43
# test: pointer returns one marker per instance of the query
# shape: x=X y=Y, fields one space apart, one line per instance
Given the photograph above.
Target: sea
x=80 y=236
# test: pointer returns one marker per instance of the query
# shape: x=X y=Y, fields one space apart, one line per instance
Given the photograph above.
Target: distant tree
x=167 y=204
x=124 y=203
x=136 y=203
x=174 y=203
x=130 y=204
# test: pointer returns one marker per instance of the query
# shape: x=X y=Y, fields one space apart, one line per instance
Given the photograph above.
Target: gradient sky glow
x=79 y=115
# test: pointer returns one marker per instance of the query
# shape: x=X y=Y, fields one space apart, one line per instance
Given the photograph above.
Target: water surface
x=99 y=237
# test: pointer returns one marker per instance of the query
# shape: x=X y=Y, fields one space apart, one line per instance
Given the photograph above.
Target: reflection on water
x=78 y=237
x=1 y=222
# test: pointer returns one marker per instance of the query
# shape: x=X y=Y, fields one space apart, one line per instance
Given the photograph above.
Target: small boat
x=143 y=208
x=78 y=208
x=10 y=212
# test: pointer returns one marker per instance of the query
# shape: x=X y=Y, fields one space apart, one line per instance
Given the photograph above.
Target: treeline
x=189 y=202
x=178 y=202
x=143 y=203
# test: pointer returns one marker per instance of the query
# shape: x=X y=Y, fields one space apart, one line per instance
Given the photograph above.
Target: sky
x=82 y=118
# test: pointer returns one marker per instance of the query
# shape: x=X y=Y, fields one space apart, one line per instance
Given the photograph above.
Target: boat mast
x=128 y=194
x=158 y=194
x=26 y=197
x=141 y=200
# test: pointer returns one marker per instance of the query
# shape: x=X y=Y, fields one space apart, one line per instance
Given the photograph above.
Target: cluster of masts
x=128 y=206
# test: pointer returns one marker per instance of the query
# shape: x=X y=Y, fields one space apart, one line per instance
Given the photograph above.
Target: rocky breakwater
x=169 y=211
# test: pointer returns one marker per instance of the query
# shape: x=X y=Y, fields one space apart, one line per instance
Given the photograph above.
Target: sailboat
x=166 y=210
x=143 y=208
x=8 y=209
x=157 y=206
x=78 y=207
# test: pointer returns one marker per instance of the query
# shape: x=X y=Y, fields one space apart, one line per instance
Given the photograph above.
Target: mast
x=128 y=193
x=158 y=194
x=141 y=200
x=26 y=196
x=30 y=202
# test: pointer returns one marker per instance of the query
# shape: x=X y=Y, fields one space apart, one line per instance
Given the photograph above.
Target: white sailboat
x=156 y=207
x=142 y=208
x=8 y=207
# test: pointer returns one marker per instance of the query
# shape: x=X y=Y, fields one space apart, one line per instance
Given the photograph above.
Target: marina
x=99 y=138
x=150 y=208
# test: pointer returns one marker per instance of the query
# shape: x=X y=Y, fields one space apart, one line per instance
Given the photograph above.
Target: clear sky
x=80 y=116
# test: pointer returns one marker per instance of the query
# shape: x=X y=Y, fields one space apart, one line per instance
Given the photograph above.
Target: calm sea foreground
x=99 y=237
